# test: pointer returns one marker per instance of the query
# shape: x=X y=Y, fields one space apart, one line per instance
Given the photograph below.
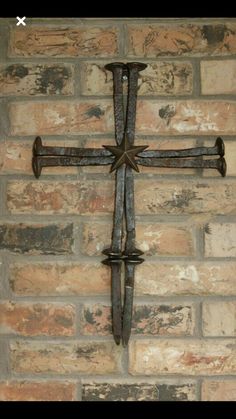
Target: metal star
x=125 y=154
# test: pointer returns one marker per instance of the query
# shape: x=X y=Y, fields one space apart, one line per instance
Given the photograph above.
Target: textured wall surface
x=55 y=319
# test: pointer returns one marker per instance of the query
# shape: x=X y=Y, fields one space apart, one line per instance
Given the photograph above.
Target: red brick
x=224 y=391
x=36 y=79
x=182 y=39
x=192 y=357
x=37 y=391
x=32 y=319
x=196 y=278
x=60 y=117
x=220 y=240
x=74 y=197
x=68 y=357
x=58 y=41
x=65 y=278
x=165 y=319
x=159 y=78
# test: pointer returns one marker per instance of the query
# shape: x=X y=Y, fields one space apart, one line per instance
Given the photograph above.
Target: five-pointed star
x=125 y=154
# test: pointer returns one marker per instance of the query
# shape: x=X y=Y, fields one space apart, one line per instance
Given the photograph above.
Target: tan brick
x=219 y=318
x=186 y=117
x=60 y=117
x=224 y=391
x=153 y=117
x=230 y=157
x=67 y=357
x=65 y=278
x=175 y=356
x=36 y=239
x=160 y=144
x=37 y=391
x=220 y=240
x=153 y=239
x=165 y=319
x=138 y=392
x=36 y=79
x=58 y=41
x=190 y=197
x=165 y=240
x=213 y=80
x=16 y=157
x=74 y=197
x=160 y=78
x=183 y=39
x=32 y=319
x=194 y=278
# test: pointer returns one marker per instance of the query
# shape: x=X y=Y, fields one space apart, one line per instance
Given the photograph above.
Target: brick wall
x=55 y=321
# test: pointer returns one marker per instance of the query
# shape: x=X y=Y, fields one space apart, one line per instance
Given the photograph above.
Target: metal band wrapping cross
x=123 y=158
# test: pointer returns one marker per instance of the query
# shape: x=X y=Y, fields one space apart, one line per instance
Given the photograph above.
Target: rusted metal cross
x=124 y=158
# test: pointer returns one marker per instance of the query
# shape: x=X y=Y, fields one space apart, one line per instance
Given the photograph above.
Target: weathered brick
x=165 y=240
x=164 y=279
x=74 y=197
x=220 y=240
x=192 y=357
x=183 y=39
x=36 y=79
x=159 y=144
x=37 y=391
x=178 y=392
x=219 y=318
x=96 y=238
x=190 y=197
x=224 y=391
x=96 y=197
x=57 y=41
x=16 y=157
x=60 y=117
x=137 y=392
x=153 y=117
x=153 y=239
x=147 y=320
x=37 y=238
x=61 y=358
x=213 y=80
x=65 y=279
x=186 y=117
x=119 y=392
x=32 y=319
x=160 y=78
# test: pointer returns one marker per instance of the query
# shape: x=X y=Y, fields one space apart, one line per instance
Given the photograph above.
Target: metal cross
x=123 y=158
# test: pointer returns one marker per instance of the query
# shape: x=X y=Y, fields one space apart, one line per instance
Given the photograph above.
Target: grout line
x=79 y=391
x=198 y=389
